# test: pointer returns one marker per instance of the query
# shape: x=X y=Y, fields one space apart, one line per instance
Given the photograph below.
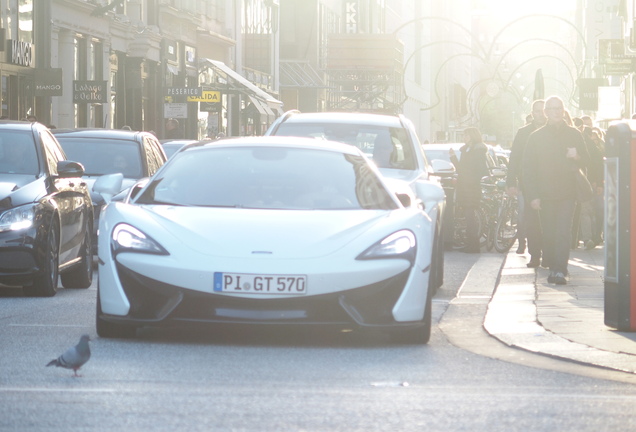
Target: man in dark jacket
x=529 y=226
x=553 y=154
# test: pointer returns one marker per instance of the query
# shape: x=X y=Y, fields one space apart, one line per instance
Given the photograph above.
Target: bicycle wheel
x=459 y=233
x=506 y=231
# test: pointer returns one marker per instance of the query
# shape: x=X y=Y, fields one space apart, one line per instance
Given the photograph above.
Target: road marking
x=53 y=390
x=47 y=325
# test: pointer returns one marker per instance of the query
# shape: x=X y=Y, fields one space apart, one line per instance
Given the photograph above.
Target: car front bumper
x=18 y=256
x=156 y=303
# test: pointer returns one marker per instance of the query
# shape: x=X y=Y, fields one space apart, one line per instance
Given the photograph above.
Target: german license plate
x=260 y=284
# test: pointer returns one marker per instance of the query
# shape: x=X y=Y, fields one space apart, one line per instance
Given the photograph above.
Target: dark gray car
x=46 y=215
x=107 y=151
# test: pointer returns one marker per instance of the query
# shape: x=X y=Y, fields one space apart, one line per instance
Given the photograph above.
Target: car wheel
x=81 y=275
x=45 y=285
x=108 y=329
x=419 y=335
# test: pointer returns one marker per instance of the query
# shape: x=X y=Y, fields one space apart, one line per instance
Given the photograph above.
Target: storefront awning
x=269 y=103
x=300 y=74
x=257 y=105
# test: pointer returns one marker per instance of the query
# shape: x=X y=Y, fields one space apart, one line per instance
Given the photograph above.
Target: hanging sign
x=48 y=82
x=89 y=91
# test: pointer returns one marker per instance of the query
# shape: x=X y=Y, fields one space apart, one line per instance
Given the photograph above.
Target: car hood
x=279 y=233
x=20 y=189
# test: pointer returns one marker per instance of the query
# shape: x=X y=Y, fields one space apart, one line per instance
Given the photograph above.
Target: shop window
x=25 y=20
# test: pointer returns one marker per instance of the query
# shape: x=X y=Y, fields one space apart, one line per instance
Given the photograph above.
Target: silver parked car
x=391 y=142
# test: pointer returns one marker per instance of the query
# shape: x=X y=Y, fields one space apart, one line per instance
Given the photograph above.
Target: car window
x=281 y=178
x=52 y=151
x=104 y=156
x=387 y=147
x=18 y=154
x=171 y=149
x=154 y=155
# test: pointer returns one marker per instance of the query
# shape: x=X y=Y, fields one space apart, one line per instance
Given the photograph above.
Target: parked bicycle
x=507 y=218
x=496 y=216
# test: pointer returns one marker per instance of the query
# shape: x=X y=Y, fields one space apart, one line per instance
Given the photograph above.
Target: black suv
x=46 y=214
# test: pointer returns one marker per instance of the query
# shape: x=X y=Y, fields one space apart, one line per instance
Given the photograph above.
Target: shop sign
x=175 y=110
x=90 y=91
x=210 y=107
x=351 y=16
x=184 y=91
x=588 y=92
x=612 y=54
x=206 y=96
x=20 y=53
x=48 y=82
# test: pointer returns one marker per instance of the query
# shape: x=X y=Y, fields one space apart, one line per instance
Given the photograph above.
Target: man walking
x=529 y=226
x=552 y=156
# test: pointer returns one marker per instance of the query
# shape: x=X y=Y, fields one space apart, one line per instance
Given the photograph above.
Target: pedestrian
x=173 y=129
x=552 y=156
x=471 y=166
x=528 y=224
x=592 y=210
x=583 y=212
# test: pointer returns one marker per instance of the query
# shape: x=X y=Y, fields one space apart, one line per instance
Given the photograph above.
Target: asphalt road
x=286 y=379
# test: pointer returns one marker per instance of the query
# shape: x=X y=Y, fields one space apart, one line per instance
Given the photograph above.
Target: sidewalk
x=563 y=321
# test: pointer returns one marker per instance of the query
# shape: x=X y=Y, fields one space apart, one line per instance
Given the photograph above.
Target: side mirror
x=405 y=199
x=134 y=190
x=66 y=169
x=442 y=168
x=108 y=185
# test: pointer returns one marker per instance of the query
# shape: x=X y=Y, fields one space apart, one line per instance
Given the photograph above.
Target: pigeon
x=74 y=357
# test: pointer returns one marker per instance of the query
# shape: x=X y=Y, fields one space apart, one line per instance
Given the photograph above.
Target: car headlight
x=400 y=244
x=126 y=238
x=17 y=218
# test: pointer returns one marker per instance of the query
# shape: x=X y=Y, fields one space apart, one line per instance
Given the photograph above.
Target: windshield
x=268 y=177
x=171 y=149
x=18 y=153
x=387 y=147
x=104 y=156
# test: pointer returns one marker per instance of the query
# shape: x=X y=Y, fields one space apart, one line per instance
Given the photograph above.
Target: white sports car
x=265 y=230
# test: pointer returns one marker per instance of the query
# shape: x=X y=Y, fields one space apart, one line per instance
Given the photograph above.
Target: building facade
x=212 y=65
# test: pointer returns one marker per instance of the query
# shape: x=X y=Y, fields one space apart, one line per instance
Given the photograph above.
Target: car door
x=69 y=195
